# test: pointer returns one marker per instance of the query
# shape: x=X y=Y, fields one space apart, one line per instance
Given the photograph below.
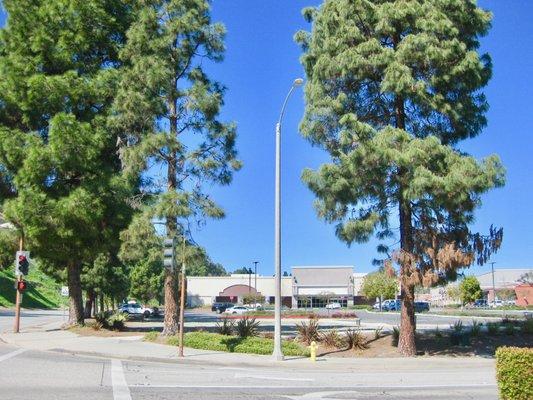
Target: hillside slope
x=43 y=292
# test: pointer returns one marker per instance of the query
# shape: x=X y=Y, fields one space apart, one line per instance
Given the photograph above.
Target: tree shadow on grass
x=231 y=343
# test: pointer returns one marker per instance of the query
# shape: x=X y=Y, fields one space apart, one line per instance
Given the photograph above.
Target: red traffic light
x=22 y=286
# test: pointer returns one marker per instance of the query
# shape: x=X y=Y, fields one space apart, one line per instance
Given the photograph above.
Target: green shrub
x=493 y=328
x=457 y=326
x=225 y=327
x=475 y=329
x=151 y=336
x=460 y=338
x=247 y=327
x=395 y=335
x=117 y=321
x=235 y=344
x=514 y=371
x=101 y=317
x=308 y=332
x=509 y=328
x=355 y=340
x=377 y=332
x=438 y=333
x=527 y=326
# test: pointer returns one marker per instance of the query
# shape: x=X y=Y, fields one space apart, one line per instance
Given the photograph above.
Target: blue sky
x=261 y=62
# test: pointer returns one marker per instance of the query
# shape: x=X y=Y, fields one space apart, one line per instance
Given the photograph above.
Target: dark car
x=219 y=308
x=396 y=305
x=393 y=305
x=421 y=306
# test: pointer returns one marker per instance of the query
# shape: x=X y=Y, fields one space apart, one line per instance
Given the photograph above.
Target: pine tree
x=60 y=177
x=393 y=87
x=169 y=109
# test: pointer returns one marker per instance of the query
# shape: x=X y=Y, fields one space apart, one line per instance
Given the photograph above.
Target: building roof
x=323 y=267
x=327 y=276
x=503 y=277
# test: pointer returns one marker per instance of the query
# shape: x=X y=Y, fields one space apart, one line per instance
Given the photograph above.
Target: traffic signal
x=168 y=253
x=22 y=286
x=22 y=263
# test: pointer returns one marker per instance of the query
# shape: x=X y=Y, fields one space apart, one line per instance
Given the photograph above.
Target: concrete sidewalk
x=135 y=349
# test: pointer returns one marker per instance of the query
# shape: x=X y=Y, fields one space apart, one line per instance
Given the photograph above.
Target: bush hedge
x=514 y=371
x=235 y=344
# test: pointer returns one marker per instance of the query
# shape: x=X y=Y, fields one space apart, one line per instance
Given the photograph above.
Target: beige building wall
x=202 y=290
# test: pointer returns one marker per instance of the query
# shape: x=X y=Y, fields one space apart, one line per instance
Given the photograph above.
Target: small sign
x=64 y=291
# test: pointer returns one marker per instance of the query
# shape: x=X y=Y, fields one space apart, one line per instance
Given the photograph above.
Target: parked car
x=480 y=303
x=394 y=305
x=221 y=307
x=255 y=306
x=421 y=306
x=333 y=306
x=496 y=303
x=384 y=305
x=237 y=310
x=134 y=310
x=146 y=311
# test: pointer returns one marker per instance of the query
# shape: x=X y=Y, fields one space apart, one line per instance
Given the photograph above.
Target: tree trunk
x=406 y=342
x=95 y=305
x=102 y=305
x=170 y=326
x=75 y=315
x=89 y=303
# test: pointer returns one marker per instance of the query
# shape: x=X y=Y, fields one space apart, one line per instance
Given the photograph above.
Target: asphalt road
x=41 y=319
x=30 y=319
x=47 y=375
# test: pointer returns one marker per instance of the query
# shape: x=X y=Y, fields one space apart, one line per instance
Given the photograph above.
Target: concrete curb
x=289 y=363
x=433 y=315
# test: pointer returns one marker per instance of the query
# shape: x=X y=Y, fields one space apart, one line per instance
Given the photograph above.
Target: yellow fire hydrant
x=313 y=348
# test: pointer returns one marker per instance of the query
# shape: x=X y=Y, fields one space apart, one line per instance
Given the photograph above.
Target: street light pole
x=255 y=269
x=277 y=354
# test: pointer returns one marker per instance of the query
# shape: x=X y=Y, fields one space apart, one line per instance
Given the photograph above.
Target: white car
x=333 y=306
x=254 y=307
x=237 y=310
x=136 y=309
x=133 y=310
x=496 y=304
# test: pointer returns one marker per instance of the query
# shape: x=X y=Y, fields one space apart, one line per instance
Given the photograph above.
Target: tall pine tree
x=169 y=109
x=393 y=87
x=60 y=174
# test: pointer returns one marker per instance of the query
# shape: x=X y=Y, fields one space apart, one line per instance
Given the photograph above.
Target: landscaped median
x=296 y=314
x=231 y=344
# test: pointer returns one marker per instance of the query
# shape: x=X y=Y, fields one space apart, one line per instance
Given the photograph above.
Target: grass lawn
x=233 y=344
x=43 y=292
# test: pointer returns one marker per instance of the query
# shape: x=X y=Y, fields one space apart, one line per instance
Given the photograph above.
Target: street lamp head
x=298 y=82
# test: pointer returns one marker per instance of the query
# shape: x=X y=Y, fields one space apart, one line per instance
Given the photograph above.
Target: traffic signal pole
x=18 y=298
x=182 y=302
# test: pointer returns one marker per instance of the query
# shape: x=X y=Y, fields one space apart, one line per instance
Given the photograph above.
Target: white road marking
x=347 y=388
x=121 y=390
x=273 y=378
x=234 y=369
x=12 y=354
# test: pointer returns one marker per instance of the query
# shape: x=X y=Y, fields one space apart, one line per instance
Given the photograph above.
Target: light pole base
x=277 y=355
